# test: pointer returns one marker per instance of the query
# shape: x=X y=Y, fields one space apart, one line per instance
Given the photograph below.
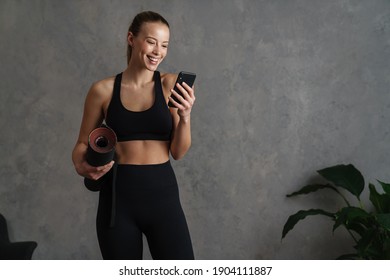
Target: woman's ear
x=130 y=39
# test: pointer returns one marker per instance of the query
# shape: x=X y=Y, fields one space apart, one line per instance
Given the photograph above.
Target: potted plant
x=369 y=228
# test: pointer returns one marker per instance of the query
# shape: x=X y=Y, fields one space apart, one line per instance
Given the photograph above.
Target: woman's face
x=150 y=46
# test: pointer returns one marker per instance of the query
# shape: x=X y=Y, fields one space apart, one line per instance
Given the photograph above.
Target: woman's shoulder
x=102 y=88
x=103 y=85
x=168 y=80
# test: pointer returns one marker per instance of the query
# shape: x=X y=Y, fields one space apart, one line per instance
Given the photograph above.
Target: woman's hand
x=91 y=172
x=186 y=100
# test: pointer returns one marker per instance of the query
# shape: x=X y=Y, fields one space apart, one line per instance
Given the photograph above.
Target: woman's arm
x=92 y=118
x=181 y=135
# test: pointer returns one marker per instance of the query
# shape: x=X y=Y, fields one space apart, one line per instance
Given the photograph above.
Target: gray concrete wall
x=284 y=88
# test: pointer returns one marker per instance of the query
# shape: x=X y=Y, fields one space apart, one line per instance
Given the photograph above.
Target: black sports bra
x=154 y=123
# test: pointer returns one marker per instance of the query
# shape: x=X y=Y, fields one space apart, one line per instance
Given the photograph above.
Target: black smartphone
x=188 y=78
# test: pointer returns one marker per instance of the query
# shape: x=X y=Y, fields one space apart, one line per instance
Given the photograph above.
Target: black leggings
x=147 y=201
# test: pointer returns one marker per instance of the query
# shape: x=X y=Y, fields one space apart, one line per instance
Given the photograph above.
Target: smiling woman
x=150 y=43
x=145 y=19
x=142 y=197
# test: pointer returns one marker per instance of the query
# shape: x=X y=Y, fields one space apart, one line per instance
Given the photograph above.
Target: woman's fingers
x=95 y=173
x=187 y=96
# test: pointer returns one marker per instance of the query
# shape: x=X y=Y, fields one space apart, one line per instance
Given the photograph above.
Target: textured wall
x=284 y=88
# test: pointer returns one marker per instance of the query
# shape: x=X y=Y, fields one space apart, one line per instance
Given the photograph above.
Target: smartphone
x=188 y=78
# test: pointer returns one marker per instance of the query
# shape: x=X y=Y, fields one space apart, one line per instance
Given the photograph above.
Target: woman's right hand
x=93 y=172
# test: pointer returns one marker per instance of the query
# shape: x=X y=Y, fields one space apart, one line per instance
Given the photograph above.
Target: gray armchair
x=14 y=250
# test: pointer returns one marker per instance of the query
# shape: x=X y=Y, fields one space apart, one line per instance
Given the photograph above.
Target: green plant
x=370 y=230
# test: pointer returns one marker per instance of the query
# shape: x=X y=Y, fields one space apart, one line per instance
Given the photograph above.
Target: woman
x=134 y=105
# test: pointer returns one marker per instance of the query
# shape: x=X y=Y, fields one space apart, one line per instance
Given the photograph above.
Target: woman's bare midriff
x=142 y=152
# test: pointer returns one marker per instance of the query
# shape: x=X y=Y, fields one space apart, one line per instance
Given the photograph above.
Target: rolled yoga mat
x=101 y=150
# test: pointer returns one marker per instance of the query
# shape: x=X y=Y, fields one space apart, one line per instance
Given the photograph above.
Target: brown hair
x=136 y=25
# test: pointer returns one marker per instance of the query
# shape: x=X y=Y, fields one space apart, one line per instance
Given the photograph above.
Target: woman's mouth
x=153 y=60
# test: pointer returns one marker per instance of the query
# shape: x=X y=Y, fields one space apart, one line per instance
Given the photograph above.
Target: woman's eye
x=150 y=42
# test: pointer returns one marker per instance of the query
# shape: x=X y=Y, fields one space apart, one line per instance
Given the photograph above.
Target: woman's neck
x=138 y=76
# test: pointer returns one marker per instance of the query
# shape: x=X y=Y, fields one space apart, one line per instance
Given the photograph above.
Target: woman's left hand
x=186 y=100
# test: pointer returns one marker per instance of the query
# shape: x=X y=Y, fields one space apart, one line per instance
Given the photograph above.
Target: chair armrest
x=17 y=250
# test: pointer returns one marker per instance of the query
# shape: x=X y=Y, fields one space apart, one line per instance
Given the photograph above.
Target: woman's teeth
x=153 y=59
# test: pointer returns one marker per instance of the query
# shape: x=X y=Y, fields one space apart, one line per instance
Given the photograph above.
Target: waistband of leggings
x=152 y=165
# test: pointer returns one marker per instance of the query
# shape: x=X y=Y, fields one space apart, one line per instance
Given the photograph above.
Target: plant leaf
x=364 y=246
x=350 y=215
x=384 y=220
x=386 y=248
x=300 y=215
x=385 y=186
x=381 y=202
x=359 y=228
x=312 y=188
x=315 y=187
x=374 y=244
x=345 y=176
